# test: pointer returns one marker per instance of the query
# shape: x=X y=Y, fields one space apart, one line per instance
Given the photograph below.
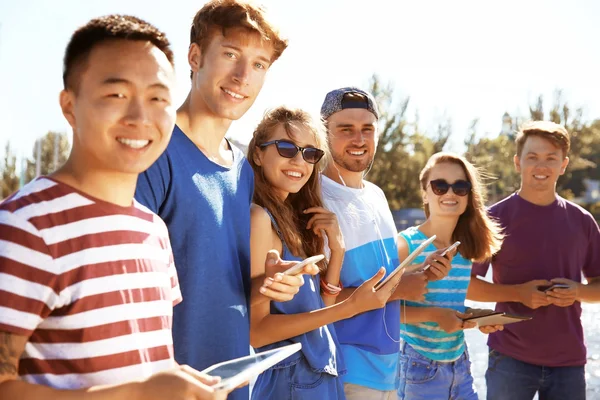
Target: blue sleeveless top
x=320 y=347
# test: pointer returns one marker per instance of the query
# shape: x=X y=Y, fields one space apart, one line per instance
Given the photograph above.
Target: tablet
x=235 y=372
x=497 y=318
x=407 y=261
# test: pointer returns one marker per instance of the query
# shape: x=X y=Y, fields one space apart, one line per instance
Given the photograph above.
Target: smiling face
x=448 y=204
x=121 y=112
x=228 y=77
x=353 y=138
x=540 y=164
x=286 y=175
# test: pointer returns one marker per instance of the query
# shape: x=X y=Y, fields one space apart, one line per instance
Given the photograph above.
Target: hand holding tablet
x=407 y=261
x=236 y=372
x=497 y=318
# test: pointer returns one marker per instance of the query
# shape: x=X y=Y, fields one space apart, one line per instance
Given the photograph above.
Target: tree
x=47 y=156
x=10 y=179
x=402 y=150
x=494 y=158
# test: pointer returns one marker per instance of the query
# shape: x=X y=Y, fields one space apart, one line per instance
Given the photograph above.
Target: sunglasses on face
x=287 y=149
x=441 y=187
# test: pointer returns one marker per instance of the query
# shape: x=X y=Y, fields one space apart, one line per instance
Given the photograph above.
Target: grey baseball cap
x=336 y=100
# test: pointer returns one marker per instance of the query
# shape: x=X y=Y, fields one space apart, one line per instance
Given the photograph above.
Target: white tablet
x=411 y=257
x=497 y=318
x=235 y=372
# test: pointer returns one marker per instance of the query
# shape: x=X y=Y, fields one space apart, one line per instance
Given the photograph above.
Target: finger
x=372 y=281
x=311 y=269
x=561 y=293
x=202 y=377
x=540 y=282
x=291 y=286
x=316 y=210
x=562 y=280
x=463 y=315
x=275 y=296
x=469 y=324
x=272 y=257
x=436 y=271
x=318 y=217
x=390 y=286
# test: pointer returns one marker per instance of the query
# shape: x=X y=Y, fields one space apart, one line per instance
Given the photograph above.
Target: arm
x=526 y=293
x=448 y=319
x=266 y=328
x=268 y=283
x=413 y=286
x=325 y=221
x=591 y=292
x=181 y=383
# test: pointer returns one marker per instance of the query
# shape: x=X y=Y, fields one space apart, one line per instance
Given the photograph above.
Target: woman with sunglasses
x=434 y=362
x=288 y=215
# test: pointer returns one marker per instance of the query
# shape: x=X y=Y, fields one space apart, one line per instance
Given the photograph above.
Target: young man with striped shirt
x=87 y=281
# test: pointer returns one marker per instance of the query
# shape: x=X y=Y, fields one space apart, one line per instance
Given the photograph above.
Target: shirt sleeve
x=154 y=183
x=480 y=268
x=591 y=268
x=28 y=276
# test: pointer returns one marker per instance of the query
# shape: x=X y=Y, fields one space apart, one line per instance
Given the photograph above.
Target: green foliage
x=9 y=182
x=494 y=158
x=48 y=163
x=402 y=150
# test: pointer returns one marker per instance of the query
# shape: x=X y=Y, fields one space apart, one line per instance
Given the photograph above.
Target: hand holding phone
x=548 y=288
x=296 y=269
x=445 y=252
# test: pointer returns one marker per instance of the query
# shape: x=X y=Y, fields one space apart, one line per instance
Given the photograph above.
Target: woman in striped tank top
x=434 y=362
x=288 y=215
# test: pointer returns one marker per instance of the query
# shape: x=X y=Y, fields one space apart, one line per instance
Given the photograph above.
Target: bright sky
x=459 y=59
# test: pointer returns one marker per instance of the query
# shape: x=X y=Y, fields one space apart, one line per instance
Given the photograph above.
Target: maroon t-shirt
x=560 y=240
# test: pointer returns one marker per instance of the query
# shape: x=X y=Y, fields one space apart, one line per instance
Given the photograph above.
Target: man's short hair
x=224 y=15
x=348 y=97
x=554 y=133
x=99 y=30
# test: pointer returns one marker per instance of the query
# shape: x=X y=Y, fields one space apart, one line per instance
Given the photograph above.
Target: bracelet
x=329 y=289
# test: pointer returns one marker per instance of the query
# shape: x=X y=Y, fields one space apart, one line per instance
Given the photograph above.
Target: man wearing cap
x=369 y=341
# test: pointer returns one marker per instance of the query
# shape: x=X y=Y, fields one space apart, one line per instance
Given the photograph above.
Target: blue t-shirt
x=207 y=210
x=369 y=341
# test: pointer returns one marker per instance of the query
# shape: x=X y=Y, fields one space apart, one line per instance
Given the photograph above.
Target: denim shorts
x=424 y=378
x=297 y=381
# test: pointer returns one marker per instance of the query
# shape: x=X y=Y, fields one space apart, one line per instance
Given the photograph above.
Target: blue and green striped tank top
x=428 y=338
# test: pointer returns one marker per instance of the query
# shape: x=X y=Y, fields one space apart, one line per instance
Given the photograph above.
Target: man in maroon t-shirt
x=549 y=240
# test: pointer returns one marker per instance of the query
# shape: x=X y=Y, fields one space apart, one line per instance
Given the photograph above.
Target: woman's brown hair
x=289 y=214
x=480 y=235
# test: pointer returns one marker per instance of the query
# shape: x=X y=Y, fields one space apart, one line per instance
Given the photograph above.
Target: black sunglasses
x=460 y=187
x=287 y=149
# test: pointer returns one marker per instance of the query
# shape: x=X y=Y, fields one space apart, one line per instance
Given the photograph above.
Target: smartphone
x=448 y=250
x=548 y=288
x=300 y=266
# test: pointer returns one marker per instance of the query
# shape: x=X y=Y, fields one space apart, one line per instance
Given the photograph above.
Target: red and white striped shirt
x=90 y=283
